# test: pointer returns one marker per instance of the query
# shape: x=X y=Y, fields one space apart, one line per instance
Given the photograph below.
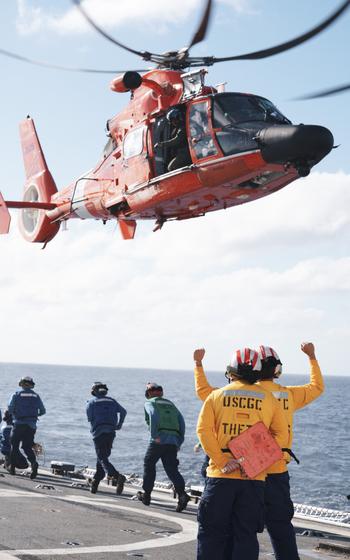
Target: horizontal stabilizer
x=5 y=218
x=29 y=204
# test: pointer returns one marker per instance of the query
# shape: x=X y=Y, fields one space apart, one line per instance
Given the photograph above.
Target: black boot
x=120 y=484
x=94 y=486
x=34 y=472
x=182 y=502
x=144 y=498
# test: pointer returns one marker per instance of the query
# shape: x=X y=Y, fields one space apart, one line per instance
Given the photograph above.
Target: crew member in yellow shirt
x=231 y=511
x=279 y=509
x=278 y=504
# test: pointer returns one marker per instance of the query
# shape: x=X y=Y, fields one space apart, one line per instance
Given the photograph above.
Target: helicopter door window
x=133 y=143
x=201 y=139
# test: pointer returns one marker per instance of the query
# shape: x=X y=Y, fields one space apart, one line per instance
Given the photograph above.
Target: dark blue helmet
x=99 y=388
x=26 y=382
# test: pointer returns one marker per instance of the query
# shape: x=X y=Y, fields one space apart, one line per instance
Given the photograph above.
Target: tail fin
x=35 y=226
x=5 y=218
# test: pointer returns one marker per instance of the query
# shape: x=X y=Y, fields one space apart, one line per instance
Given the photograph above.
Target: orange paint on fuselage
x=127 y=188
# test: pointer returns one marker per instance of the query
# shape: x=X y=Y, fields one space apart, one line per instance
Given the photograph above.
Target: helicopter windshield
x=238 y=108
x=237 y=117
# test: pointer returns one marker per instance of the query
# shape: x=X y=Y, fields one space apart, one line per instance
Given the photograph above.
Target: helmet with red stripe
x=245 y=364
x=271 y=363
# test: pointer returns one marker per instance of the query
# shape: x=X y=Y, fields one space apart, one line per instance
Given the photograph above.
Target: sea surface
x=321 y=430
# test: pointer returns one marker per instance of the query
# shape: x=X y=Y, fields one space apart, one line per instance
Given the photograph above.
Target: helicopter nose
x=300 y=145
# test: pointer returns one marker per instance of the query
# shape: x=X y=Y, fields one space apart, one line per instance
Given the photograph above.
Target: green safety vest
x=168 y=415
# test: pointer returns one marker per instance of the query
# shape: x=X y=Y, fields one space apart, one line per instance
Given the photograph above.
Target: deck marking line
x=4 y=493
x=188 y=533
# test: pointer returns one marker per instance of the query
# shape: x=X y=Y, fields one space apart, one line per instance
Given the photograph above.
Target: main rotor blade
x=289 y=44
x=325 y=92
x=144 y=54
x=202 y=28
x=58 y=67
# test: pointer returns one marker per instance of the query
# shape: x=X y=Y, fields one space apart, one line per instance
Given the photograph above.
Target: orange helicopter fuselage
x=125 y=185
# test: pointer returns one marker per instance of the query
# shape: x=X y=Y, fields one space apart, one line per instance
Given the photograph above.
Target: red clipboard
x=255 y=449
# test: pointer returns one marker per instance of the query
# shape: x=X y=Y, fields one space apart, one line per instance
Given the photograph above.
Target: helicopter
x=235 y=148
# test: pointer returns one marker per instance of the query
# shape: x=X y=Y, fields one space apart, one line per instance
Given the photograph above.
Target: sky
x=274 y=272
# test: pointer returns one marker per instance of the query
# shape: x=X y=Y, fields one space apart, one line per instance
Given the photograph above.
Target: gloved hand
x=156 y=145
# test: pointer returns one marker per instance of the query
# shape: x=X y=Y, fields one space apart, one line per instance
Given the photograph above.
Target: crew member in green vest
x=167 y=427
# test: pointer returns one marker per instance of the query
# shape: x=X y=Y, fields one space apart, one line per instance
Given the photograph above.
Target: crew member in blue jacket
x=5 y=435
x=167 y=427
x=106 y=416
x=25 y=406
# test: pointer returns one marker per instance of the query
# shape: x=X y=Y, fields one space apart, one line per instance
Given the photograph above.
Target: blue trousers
x=24 y=435
x=103 y=447
x=168 y=455
x=230 y=515
x=279 y=513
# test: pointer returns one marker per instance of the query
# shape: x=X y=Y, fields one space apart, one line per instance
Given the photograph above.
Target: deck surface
x=48 y=518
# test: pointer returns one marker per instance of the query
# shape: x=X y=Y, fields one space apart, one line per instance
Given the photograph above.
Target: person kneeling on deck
x=167 y=427
x=106 y=416
x=25 y=406
x=231 y=511
x=5 y=438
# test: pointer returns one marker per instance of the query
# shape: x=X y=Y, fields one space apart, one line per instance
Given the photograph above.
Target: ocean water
x=321 y=430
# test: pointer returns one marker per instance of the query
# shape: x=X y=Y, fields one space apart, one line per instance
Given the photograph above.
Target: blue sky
x=274 y=272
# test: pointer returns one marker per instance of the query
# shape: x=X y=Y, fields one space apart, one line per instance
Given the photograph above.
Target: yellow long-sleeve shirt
x=291 y=398
x=229 y=411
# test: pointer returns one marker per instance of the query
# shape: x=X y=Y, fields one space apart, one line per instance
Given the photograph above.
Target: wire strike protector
x=255 y=449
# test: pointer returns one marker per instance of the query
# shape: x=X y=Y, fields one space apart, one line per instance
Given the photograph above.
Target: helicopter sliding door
x=161 y=133
x=169 y=157
x=202 y=141
x=136 y=168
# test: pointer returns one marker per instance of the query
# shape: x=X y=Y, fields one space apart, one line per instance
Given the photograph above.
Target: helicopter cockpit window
x=200 y=133
x=133 y=143
x=237 y=118
x=235 y=108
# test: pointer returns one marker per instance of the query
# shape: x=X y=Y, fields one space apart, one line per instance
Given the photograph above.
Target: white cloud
x=275 y=271
x=108 y=13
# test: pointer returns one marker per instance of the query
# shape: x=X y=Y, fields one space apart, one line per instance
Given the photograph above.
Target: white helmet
x=269 y=359
x=245 y=363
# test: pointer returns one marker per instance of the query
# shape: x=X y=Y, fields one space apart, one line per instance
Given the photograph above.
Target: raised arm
x=304 y=394
x=203 y=388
